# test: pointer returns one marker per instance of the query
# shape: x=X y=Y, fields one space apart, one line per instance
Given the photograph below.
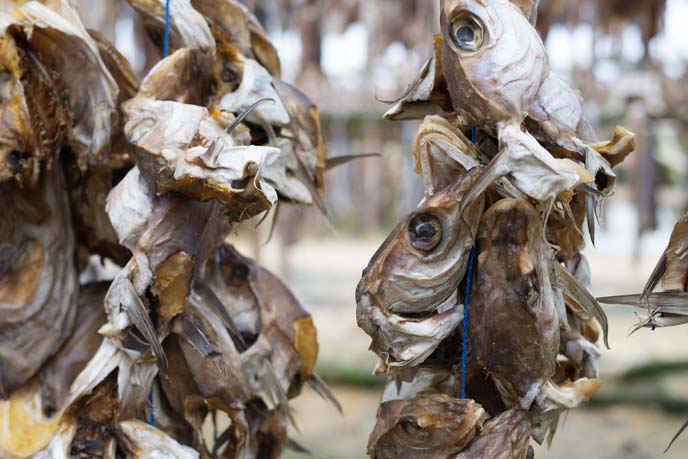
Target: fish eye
x=411 y=429
x=235 y=274
x=530 y=292
x=425 y=232
x=467 y=32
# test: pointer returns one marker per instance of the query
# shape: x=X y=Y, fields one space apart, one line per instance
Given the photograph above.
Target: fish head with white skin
x=493 y=59
x=408 y=293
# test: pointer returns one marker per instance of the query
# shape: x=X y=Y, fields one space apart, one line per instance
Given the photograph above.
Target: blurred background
x=628 y=58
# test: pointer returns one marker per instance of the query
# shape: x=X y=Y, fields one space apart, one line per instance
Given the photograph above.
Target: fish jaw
x=401 y=341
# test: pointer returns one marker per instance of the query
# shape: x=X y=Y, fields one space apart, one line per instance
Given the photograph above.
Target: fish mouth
x=447 y=304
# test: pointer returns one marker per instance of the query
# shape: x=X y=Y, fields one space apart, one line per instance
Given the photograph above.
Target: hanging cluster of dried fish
x=151 y=176
x=518 y=196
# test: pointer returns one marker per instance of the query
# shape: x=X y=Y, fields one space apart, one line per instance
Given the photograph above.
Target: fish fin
x=590 y=216
x=337 y=161
x=309 y=181
x=669 y=302
x=492 y=172
x=297 y=447
x=273 y=225
x=678 y=434
x=265 y=216
x=584 y=298
x=627 y=300
x=412 y=86
x=321 y=388
x=141 y=319
x=192 y=333
x=655 y=277
x=209 y=297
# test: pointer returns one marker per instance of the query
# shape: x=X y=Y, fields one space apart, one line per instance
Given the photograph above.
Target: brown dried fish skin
x=505 y=437
x=233 y=24
x=428 y=426
x=61 y=369
x=19 y=152
x=38 y=312
x=514 y=326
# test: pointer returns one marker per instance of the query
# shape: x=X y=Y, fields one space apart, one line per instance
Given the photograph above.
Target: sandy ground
x=324 y=275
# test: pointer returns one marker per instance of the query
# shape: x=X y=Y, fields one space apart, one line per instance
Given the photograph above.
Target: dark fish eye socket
x=467 y=32
x=239 y=272
x=425 y=232
x=412 y=429
x=530 y=292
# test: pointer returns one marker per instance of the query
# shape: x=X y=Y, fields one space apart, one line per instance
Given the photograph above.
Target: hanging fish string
x=166 y=43
x=466 y=302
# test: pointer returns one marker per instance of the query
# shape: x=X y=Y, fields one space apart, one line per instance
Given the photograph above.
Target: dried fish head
x=407 y=296
x=512 y=303
x=506 y=436
x=235 y=27
x=281 y=340
x=58 y=38
x=310 y=148
x=38 y=277
x=428 y=426
x=23 y=145
x=493 y=59
x=675 y=276
x=188 y=28
x=183 y=149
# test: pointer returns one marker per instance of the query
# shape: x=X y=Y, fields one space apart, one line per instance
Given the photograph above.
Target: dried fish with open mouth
x=439 y=426
x=428 y=426
x=407 y=297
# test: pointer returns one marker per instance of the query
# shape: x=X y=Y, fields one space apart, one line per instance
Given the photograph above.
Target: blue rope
x=152 y=405
x=166 y=44
x=466 y=301
x=464 y=338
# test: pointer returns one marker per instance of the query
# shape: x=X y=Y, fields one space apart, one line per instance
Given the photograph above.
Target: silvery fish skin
x=425 y=427
x=513 y=287
x=406 y=300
